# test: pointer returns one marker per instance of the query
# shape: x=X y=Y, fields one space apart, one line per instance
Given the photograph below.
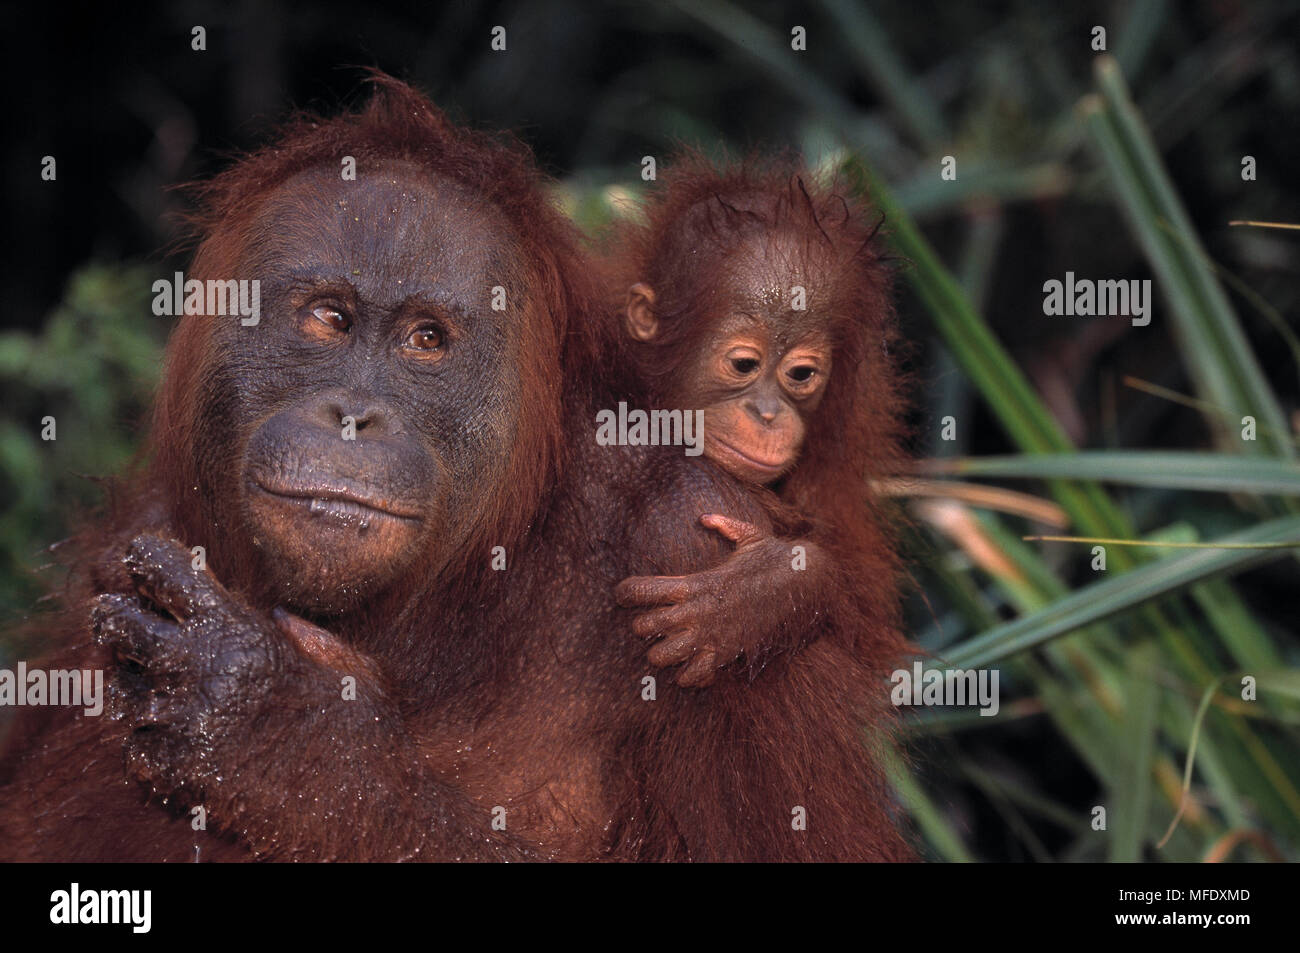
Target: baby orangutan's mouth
x=771 y=470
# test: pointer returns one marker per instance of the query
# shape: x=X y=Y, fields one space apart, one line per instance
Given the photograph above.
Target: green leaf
x=1122 y=592
x=1212 y=341
x=1131 y=799
x=1166 y=469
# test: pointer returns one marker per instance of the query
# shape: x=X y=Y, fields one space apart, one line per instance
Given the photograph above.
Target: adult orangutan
x=405 y=644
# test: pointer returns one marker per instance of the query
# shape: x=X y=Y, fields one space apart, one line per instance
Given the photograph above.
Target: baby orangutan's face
x=758 y=385
x=761 y=373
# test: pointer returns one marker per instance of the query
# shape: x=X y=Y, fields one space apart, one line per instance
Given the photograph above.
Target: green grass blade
x=932 y=822
x=1122 y=592
x=874 y=52
x=1213 y=343
x=1175 y=470
x=1131 y=801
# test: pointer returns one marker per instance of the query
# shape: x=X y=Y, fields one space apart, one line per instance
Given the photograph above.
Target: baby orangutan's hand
x=711 y=618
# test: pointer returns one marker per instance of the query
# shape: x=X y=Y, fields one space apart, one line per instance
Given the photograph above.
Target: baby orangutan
x=758 y=296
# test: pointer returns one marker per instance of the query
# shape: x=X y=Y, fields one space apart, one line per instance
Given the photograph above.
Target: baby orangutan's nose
x=765 y=409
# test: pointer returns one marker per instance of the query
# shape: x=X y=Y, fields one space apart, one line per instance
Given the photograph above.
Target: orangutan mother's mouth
x=336 y=500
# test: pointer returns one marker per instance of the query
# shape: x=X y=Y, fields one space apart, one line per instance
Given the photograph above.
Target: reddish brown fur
x=690 y=225
x=397 y=124
x=694 y=218
x=518 y=688
x=58 y=757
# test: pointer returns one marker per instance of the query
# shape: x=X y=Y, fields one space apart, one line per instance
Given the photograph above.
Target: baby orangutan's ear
x=641 y=321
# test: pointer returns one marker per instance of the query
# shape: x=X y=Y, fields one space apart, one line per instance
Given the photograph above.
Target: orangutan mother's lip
x=336 y=499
